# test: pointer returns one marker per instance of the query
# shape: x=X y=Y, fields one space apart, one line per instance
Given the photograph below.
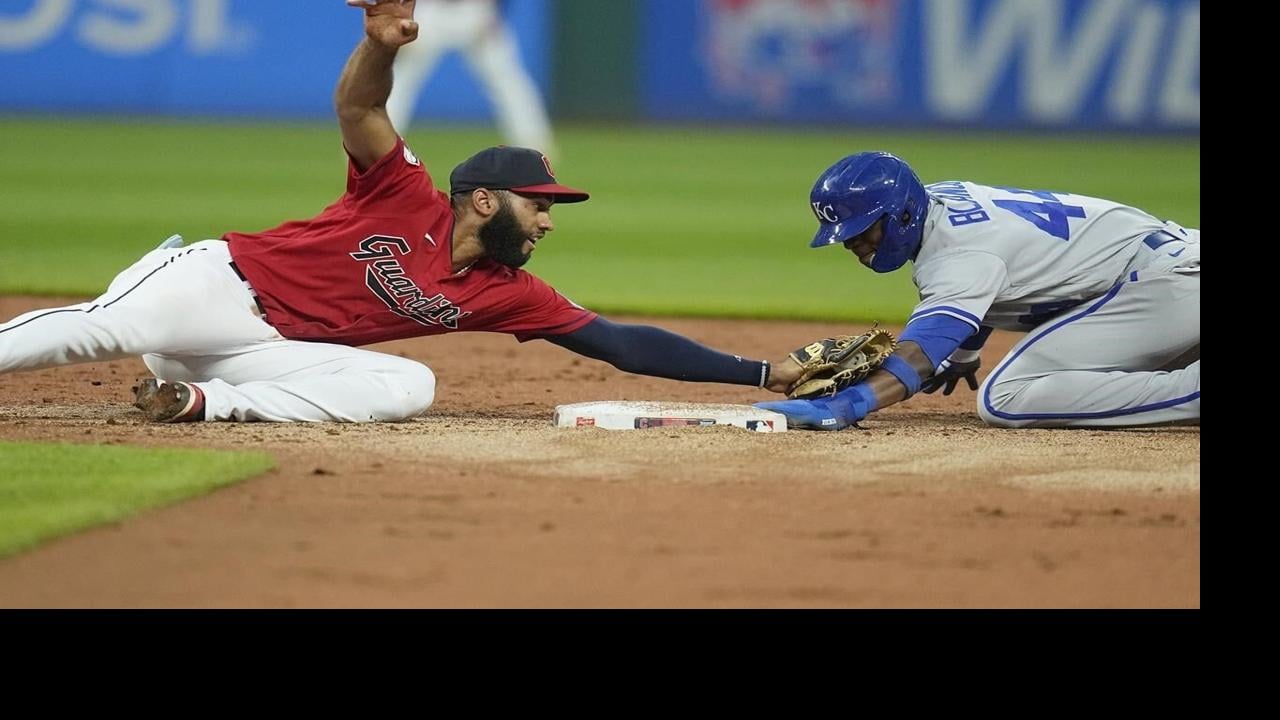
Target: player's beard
x=503 y=238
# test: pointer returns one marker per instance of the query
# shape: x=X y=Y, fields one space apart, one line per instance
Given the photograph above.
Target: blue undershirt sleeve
x=937 y=335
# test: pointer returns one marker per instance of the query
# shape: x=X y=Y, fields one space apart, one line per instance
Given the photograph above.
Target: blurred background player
x=476 y=29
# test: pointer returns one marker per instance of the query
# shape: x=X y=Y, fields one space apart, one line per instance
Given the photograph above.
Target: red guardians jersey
x=376 y=265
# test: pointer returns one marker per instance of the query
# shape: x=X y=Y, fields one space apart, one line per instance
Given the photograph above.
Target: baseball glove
x=831 y=365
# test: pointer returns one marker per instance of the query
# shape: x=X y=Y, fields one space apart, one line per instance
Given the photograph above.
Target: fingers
x=970 y=379
x=373 y=8
x=935 y=381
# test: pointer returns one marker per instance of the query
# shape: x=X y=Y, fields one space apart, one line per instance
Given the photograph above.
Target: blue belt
x=1160 y=237
x=1155 y=241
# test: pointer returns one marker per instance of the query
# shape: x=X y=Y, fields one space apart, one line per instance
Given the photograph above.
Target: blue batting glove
x=834 y=413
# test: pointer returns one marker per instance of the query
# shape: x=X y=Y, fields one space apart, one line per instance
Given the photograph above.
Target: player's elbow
x=354 y=108
x=626 y=364
x=348 y=113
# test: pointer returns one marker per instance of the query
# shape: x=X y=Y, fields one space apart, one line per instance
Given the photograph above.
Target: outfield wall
x=1047 y=64
x=224 y=58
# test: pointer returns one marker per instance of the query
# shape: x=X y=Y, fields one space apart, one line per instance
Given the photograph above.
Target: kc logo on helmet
x=825 y=213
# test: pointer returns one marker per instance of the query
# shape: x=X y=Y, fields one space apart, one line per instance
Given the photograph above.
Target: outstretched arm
x=924 y=345
x=648 y=350
x=361 y=96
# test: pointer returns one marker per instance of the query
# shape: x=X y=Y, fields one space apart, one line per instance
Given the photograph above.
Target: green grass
x=52 y=490
x=683 y=221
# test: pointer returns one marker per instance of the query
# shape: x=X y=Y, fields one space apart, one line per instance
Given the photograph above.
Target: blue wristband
x=906 y=374
x=865 y=397
x=853 y=403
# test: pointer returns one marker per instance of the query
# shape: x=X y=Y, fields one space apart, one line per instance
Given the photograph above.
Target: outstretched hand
x=388 y=22
x=837 y=412
x=807 y=414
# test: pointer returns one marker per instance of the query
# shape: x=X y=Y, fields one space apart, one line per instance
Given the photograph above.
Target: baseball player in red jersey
x=281 y=312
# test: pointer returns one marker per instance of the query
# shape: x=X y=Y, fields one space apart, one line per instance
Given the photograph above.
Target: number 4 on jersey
x=1050 y=215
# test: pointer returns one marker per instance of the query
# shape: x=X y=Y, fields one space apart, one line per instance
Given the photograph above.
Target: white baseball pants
x=1119 y=360
x=192 y=319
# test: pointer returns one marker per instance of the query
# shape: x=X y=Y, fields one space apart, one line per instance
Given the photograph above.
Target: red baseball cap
x=522 y=170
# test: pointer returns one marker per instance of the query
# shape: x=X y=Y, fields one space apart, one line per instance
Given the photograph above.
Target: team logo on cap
x=547 y=164
x=825 y=213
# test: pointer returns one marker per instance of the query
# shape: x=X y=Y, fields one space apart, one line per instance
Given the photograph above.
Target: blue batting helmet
x=859 y=190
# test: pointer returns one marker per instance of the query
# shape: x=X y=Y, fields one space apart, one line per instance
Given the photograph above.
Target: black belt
x=253 y=293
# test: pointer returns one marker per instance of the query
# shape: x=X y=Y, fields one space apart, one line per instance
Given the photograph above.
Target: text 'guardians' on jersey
x=376 y=265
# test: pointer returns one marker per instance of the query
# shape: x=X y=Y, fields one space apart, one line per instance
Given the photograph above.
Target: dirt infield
x=483 y=504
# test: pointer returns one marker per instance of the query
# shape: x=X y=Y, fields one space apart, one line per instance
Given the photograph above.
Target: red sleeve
x=543 y=311
x=395 y=181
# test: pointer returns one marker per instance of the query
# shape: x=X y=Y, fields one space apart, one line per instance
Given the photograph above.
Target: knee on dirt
x=412 y=390
x=996 y=399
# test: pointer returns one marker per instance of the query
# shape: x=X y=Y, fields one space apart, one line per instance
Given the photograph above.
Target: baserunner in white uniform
x=1108 y=295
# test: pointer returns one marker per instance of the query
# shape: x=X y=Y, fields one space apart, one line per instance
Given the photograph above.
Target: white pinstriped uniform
x=1109 y=297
